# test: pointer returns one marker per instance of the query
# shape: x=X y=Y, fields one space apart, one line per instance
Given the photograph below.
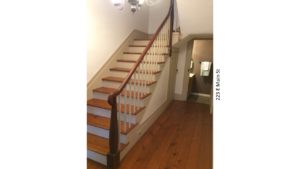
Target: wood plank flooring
x=93 y=165
x=180 y=139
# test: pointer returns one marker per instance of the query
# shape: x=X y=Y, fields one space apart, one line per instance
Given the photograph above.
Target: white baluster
x=160 y=47
x=153 y=60
x=119 y=98
x=124 y=113
x=155 y=56
x=149 y=63
x=149 y=67
x=160 y=50
x=129 y=103
x=134 y=92
x=144 y=77
x=140 y=84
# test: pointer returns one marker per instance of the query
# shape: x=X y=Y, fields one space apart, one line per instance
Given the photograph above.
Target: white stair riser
x=98 y=111
x=105 y=133
x=133 y=119
x=135 y=49
x=149 y=65
x=100 y=158
x=101 y=96
x=151 y=77
x=141 y=42
x=156 y=67
x=158 y=50
x=156 y=58
x=115 y=85
x=130 y=56
x=146 y=66
x=145 y=42
x=124 y=64
x=118 y=74
x=141 y=49
x=106 y=113
x=150 y=58
x=148 y=77
x=139 y=102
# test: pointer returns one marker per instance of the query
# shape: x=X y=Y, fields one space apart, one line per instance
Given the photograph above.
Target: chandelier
x=135 y=5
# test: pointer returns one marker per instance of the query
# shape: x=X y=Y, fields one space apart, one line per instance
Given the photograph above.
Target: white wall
x=107 y=28
x=180 y=69
x=195 y=16
x=157 y=13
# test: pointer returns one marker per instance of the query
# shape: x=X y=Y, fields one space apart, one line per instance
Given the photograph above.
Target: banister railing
x=126 y=101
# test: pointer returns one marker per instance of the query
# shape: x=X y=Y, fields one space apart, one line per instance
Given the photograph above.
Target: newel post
x=113 y=157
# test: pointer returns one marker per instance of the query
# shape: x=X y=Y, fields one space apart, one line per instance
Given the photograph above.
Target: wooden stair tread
x=121 y=69
x=99 y=144
x=120 y=80
x=91 y=164
x=105 y=105
x=130 y=53
x=134 y=61
x=105 y=90
x=127 y=60
x=139 y=53
x=113 y=79
x=152 y=72
x=142 y=39
x=137 y=45
x=99 y=103
x=145 y=46
x=104 y=122
x=108 y=90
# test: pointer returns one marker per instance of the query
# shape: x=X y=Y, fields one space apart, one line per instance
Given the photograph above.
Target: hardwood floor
x=180 y=139
x=93 y=165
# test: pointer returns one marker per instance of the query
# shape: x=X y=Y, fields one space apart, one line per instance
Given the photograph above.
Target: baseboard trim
x=201 y=94
x=180 y=97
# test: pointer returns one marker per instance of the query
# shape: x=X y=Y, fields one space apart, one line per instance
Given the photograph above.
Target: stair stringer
x=157 y=103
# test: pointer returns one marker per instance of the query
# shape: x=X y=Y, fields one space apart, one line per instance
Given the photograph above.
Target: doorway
x=201 y=71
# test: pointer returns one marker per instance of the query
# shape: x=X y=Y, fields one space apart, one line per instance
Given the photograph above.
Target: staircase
x=99 y=110
x=118 y=104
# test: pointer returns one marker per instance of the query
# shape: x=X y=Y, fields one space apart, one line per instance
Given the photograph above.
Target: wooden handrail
x=171 y=26
x=113 y=157
x=170 y=13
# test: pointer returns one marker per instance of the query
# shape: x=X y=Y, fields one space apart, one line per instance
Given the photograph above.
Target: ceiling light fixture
x=135 y=5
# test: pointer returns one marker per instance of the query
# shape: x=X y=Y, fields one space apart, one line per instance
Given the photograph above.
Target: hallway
x=180 y=139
